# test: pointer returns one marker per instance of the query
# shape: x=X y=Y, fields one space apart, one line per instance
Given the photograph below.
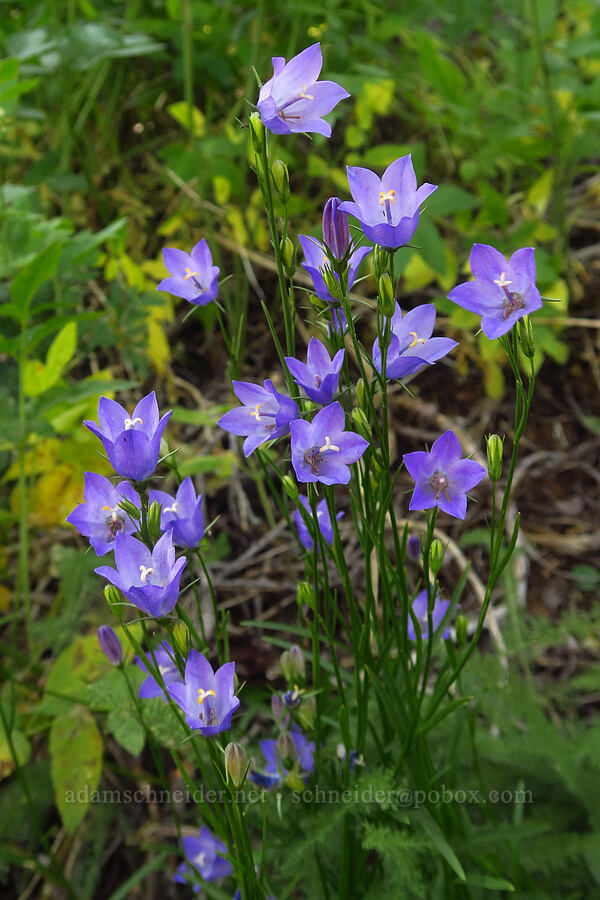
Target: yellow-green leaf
x=75 y=764
x=181 y=113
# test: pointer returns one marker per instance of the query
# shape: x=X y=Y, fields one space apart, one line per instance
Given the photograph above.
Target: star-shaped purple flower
x=387 y=207
x=315 y=259
x=132 y=443
x=411 y=345
x=323 y=523
x=182 y=513
x=322 y=450
x=149 y=580
x=165 y=660
x=202 y=860
x=442 y=477
x=438 y=612
x=503 y=290
x=100 y=517
x=320 y=375
x=275 y=771
x=191 y=275
x=207 y=698
x=265 y=415
x=293 y=100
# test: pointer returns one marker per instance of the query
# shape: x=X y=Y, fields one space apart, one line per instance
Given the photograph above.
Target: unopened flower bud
x=154 y=520
x=462 y=630
x=286 y=747
x=110 y=644
x=306 y=713
x=413 y=547
x=526 y=340
x=361 y=394
x=257 y=131
x=336 y=232
x=305 y=595
x=236 y=763
x=292 y=663
x=495 y=447
x=281 y=179
x=288 y=256
x=114 y=599
x=128 y=507
x=181 y=638
x=282 y=718
x=361 y=422
x=291 y=488
x=294 y=781
x=380 y=262
x=436 y=556
x=386 y=295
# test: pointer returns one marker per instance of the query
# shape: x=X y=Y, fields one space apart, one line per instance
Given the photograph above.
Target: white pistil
x=198 y=861
x=144 y=573
x=255 y=412
x=172 y=508
x=113 y=510
x=328 y=446
x=416 y=340
x=502 y=281
x=130 y=423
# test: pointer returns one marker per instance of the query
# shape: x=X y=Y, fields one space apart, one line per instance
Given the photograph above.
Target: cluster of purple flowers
x=149 y=577
x=322 y=449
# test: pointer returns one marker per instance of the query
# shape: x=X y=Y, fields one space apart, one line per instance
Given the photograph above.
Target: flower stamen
x=202 y=695
x=439 y=483
x=131 y=423
x=417 y=340
x=386 y=198
x=255 y=413
x=113 y=510
x=173 y=508
x=190 y=274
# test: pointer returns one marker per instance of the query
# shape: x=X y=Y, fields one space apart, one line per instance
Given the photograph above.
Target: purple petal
x=112 y=417
x=486 y=262
x=418 y=465
x=400 y=176
x=421 y=499
x=147 y=411
x=365 y=187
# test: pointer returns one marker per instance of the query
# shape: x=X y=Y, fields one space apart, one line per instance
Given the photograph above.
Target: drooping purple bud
x=280 y=715
x=110 y=644
x=336 y=232
x=413 y=547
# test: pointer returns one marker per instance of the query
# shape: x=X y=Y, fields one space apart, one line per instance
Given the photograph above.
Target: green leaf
x=438 y=840
x=450 y=199
x=191 y=118
x=75 y=764
x=486 y=881
x=62 y=348
x=32 y=276
x=430 y=245
x=127 y=730
x=22 y=749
